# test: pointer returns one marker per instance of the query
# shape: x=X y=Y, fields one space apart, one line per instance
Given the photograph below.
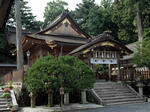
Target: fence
x=133 y=74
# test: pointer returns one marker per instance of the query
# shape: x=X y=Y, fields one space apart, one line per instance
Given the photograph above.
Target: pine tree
x=28 y=20
x=52 y=10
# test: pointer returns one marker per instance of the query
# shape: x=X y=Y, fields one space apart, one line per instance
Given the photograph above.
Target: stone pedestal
x=66 y=98
x=83 y=97
x=140 y=86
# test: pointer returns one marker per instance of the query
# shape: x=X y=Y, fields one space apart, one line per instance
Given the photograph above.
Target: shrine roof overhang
x=133 y=47
x=103 y=40
x=60 y=38
x=30 y=40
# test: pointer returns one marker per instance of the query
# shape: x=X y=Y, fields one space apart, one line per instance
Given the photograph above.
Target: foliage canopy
x=65 y=71
x=28 y=20
x=142 y=57
x=52 y=10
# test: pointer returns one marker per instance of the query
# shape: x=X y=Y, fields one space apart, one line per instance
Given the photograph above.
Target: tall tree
x=94 y=24
x=82 y=11
x=28 y=20
x=123 y=15
x=139 y=22
x=106 y=8
x=18 y=35
x=145 y=15
x=52 y=10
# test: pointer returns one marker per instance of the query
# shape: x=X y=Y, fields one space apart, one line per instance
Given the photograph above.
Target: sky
x=38 y=6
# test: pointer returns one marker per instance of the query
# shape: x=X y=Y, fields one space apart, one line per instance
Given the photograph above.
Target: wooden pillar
x=109 y=68
x=61 y=95
x=89 y=56
x=118 y=63
x=61 y=51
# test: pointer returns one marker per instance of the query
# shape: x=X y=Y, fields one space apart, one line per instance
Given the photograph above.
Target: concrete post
x=141 y=90
x=83 y=96
x=66 y=98
x=140 y=86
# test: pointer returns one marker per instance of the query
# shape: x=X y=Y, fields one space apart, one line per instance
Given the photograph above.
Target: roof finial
x=108 y=34
x=108 y=31
x=66 y=11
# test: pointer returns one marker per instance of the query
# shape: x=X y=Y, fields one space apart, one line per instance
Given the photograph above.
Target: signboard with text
x=103 y=61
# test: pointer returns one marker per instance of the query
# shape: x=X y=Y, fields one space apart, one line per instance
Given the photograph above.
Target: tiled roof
x=59 y=38
x=100 y=38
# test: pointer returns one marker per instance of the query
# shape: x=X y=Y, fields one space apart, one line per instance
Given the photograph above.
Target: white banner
x=103 y=61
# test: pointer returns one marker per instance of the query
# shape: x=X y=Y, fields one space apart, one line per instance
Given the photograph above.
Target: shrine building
x=64 y=37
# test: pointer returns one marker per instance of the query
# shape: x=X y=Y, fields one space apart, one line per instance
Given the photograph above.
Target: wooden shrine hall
x=64 y=37
x=60 y=37
x=102 y=50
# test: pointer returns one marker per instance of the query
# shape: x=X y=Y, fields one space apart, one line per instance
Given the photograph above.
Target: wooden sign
x=61 y=91
x=103 y=61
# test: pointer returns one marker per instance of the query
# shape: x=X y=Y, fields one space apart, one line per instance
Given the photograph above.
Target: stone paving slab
x=69 y=108
x=143 y=107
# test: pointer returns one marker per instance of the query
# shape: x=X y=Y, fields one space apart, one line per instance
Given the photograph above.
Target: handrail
x=96 y=96
x=134 y=91
x=14 y=101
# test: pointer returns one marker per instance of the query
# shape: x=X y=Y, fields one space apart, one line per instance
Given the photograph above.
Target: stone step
x=4 y=110
x=122 y=100
x=106 y=83
x=122 y=103
x=3 y=106
x=106 y=90
x=108 y=87
x=112 y=95
x=113 y=92
x=119 y=97
x=2 y=99
x=3 y=103
x=111 y=85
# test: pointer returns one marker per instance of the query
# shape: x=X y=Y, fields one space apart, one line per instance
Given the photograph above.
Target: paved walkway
x=145 y=107
x=58 y=109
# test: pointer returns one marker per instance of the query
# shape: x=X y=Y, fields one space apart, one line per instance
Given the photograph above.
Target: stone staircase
x=112 y=93
x=3 y=103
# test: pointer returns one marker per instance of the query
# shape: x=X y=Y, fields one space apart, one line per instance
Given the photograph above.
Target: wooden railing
x=133 y=74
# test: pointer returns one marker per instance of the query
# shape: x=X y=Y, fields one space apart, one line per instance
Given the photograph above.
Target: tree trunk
x=139 y=23
x=18 y=36
x=32 y=99
x=50 y=98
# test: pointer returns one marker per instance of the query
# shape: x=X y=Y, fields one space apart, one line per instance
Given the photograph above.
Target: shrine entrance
x=102 y=61
x=102 y=72
x=103 y=50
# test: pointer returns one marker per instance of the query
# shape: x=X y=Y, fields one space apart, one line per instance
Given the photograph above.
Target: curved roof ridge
x=60 y=18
